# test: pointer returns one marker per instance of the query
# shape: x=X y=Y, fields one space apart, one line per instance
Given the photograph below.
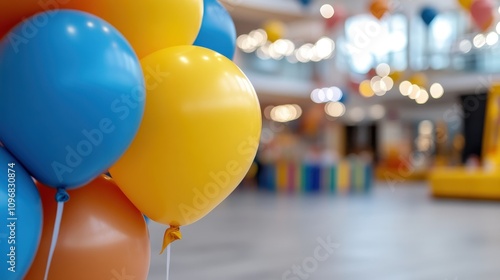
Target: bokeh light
x=365 y=89
x=414 y=92
x=422 y=97
x=356 y=114
x=377 y=112
x=405 y=88
x=491 y=38
x=436 y=90
x=286 y=113
x=383 y=69
x=479 y=40
x=335 y=109
x=327 y=11
x=465 y=46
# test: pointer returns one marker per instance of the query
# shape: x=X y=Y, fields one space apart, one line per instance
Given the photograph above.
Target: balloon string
x=61 y=197
x=168 y=261
x=55 y=235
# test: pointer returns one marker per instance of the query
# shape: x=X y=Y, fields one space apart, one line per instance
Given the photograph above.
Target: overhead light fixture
x=479 y=41
x=383 y=69
x=327 y=11
x=491 y=38
x=414 y=92
x=323 y=95
x=423 y=97
x=405 y=88
x=437 y=90
x=286 y=113
x=335 y=109
x=257 y=41
x=465 y=46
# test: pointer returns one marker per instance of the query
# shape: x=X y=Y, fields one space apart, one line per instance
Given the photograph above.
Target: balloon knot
x=171 y=234
x=62 y=195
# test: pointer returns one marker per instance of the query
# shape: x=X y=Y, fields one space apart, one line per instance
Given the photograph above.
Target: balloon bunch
x=482 y=12
x=91 y=86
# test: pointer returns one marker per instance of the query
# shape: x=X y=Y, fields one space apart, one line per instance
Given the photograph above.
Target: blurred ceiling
x=249 y=15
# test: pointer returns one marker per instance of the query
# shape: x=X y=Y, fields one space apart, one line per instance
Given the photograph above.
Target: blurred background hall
x=379 y=152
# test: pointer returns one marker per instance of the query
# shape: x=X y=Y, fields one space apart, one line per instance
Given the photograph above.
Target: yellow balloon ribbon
x=173 y=233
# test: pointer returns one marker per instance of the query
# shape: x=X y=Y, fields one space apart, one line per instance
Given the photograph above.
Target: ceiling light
x=465 y=46
x=479 y=40
x=492 y=38
x=327 y=11
x=405 y=88
x=325 y=47
x=414 y=92
x=335 y=109
x=383 y=69
x=286 y=113
x=437 y=90
x=423 y=97
x=259 y=35
x=387 y=82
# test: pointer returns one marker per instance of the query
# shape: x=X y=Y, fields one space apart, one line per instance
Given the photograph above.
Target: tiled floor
x=399 y=234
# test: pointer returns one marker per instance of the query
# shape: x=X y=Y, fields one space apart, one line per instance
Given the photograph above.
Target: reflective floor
x=392 y=234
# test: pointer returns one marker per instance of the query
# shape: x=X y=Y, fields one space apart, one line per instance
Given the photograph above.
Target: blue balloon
x=71 y=96
x=217 y=30
x=305 y=3
x=428 y=14
x=21 y=216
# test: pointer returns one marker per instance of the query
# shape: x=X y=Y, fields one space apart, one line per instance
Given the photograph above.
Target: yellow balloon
x=275 y=30
x=396 y=75
x=198 y=137
x=149 y=25
x=365 y=89
x=465 y=4
x=419 y=79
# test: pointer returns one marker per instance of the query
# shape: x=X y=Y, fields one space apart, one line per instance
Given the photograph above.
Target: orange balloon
x=378 y=8
x=482 y=13
x=13 y=12
x=149 y=25
x=102 y=236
